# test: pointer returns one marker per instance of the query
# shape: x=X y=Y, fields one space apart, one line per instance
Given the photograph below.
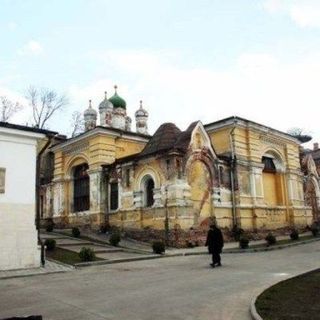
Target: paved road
x=170 y=288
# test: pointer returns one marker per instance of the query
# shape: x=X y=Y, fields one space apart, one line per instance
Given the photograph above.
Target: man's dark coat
x=214 y=240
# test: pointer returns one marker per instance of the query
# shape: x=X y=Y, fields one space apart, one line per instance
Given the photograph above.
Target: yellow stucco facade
x=233 y=171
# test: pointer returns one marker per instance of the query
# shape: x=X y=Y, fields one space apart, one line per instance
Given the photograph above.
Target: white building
x=19 y=147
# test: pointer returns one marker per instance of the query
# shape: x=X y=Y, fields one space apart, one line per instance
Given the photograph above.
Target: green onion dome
x=117 y=101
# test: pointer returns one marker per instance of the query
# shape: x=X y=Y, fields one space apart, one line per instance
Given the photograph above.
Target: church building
x=233 y=171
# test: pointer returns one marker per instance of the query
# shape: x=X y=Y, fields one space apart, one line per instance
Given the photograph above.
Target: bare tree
x=77 y=123
x=295 y=131
x=301 y=134
x=45 y=103
x=8 y=108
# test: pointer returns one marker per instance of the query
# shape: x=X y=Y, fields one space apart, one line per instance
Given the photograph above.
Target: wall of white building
x=18 y=235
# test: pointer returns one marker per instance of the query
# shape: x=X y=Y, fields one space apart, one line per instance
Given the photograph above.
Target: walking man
x=215 y=244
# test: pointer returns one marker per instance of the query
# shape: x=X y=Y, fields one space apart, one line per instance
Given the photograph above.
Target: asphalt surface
x=168 y=288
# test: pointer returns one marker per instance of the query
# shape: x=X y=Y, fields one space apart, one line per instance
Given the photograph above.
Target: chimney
x=315 y=146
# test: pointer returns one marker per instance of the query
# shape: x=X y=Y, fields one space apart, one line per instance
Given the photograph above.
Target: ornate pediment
x=200 y=141
x=311 y=166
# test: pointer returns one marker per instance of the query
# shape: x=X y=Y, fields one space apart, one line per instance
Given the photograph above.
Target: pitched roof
x=26 y=128
x=168 y=137
x=183 y=140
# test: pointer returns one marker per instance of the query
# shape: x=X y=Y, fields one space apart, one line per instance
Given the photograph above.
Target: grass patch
x=65 y=256
x=296 y=298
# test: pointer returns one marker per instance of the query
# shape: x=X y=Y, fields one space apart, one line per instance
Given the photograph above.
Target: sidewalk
x=50 y=267
x=133 y=250
x=130 y=245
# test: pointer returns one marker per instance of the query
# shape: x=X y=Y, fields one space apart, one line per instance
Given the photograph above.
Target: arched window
x=81 y=188
x=148 y=186
x=272 y=184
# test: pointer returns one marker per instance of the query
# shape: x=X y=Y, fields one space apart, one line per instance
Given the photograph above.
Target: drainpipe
x=106 y=203
x=232 y=175
x=166 y=222
x=38 y=164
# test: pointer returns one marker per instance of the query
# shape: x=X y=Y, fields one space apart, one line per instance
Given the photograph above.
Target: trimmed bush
x=75 y=232
x=271 y=239
x=294 y=235
x=104 y=228
x=115 y=239
x=50 y=244
x=87 y=254
x=314 y=229
x=49 y=225
x=236 y=233
x=49 y=228
x=189 y=244
x=158 y=247
x=244 y=242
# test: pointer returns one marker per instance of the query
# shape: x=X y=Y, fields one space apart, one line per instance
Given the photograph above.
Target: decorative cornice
x=272 y=140
x=102 y=131
x=244 y=123
x=76 y=148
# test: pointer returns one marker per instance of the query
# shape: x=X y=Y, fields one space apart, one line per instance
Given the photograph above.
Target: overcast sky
x=186 y=59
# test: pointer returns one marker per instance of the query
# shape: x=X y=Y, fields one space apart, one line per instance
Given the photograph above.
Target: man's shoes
x=219 y=264
x=212 y=265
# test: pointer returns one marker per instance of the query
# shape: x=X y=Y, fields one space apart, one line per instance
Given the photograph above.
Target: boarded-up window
x=272 y=185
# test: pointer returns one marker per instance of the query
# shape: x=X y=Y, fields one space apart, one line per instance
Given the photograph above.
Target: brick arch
x=279 y=160
x=208 y=162
x=201 y=184
x=145 y=172
x=75 y=161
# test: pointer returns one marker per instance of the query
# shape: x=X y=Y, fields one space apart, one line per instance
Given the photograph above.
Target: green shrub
x=50 y=244
x=158 y=247
x=49 y=228
x=244 y=242
x=271 y=239
x=236 y=233
x=294 y=235
x=104 y=228
x=75 y=232
x=49 y=225
x=87 y=254
x=189 y=244
x=314 y=229
x=115 y=238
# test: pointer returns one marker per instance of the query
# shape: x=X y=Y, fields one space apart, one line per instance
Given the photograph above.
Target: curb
x=271 y=248
x=121 y=260
x=253 y=311
x=36 y=274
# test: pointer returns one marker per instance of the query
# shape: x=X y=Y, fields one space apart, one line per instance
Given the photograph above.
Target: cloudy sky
x=186 y=59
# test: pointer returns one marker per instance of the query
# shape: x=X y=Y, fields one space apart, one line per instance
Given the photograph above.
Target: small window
x=179 y=169
x=114 y=196
x=41 y=206
x=128 y=178
x=268 y=165
x=221 y=174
